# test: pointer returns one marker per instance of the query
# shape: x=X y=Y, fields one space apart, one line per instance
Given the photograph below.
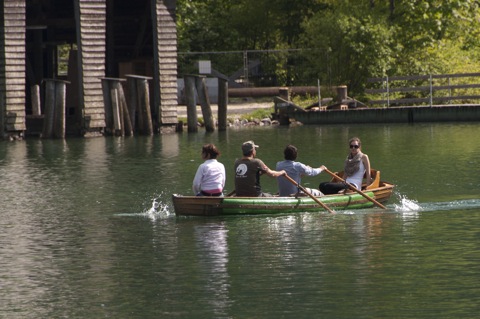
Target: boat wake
x=451 y=205
x=411 y=208
x=406 y=205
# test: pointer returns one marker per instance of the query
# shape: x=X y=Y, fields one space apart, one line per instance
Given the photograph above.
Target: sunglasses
x=354 y=146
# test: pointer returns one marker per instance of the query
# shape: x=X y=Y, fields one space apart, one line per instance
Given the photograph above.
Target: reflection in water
x=211 y=241
x=170 y=145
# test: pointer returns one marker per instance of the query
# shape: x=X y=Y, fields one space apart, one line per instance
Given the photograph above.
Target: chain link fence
x=255 y=68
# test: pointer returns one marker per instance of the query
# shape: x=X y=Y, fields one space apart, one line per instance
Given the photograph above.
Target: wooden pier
x=99 y=41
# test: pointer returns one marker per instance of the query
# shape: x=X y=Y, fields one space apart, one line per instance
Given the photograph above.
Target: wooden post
x=107 y=102
x=142 y=102
x=284 y=93
x=204 y=103
x=144 y=93
x=60 y=109
x=117 y=121
x=191 y=101
x=222 y=103
x=127 y=121
x=35 y=94
x=112 y=96
x=132 y=101
x=341 y=93
x=49 y=109
x=54 y=120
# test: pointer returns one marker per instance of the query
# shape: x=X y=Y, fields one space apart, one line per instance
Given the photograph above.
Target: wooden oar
x=308 y=193
x=355 y=189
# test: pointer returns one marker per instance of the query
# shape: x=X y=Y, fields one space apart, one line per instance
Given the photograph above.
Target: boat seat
x=375 y=175
x=376 y=179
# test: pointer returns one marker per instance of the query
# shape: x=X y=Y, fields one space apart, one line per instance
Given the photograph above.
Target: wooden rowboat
x=213 y=206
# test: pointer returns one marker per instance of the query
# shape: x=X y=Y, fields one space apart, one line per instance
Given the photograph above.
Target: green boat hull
x=214 y=206
x=269 y=205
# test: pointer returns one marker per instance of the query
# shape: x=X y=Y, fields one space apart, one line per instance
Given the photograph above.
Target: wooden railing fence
x=426 y=89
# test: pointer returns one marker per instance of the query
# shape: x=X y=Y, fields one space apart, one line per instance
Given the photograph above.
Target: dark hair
x=211 y=150
x=290 y=152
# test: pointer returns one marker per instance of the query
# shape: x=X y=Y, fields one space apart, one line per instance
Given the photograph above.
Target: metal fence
x=425 y=89
x=254 y=68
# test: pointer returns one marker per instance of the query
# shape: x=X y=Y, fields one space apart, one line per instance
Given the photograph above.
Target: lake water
x=88 y=230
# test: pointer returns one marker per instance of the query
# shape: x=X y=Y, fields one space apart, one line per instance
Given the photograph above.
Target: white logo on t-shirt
x=241 y=170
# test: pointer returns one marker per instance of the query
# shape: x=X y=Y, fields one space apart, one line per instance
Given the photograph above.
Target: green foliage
x=347 y=50
x=336 y=41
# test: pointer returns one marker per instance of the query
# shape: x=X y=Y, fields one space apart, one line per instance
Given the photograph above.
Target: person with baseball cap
x=248 y=170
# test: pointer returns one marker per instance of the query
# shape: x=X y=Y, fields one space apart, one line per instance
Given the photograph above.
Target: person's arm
x=309 y=171
x=196 y=185
x=269 y=171
x=224 y=176
x=273 y=173
x=366 y=164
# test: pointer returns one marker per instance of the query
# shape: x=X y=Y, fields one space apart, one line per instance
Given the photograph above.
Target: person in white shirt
x=210 y=177
x=295 y=170
x=357 y=164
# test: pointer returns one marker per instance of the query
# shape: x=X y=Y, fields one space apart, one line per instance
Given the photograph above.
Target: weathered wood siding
x=165 y=60
x=91 y=29
x=12 y=66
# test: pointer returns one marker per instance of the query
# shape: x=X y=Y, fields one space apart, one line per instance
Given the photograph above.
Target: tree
x=346 y=49
x=342 y=42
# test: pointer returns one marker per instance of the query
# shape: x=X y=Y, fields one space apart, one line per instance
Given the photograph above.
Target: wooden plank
x=397 y=78
x=14 y=102
x=455 y=75
x=14 y=68
x=15 y=92
x=14 y=36
x=423 y=77
x=14 y=23
x=165 y=60
x=425 y=100
x=401 y=101
x=16 y=50
x=423 y=88
x=13 y=4
x=97 y=115
x=459 y=97
x=98 y=5
x=93 y=100
x=91 y=17
x=15 y=127
x=12 y=56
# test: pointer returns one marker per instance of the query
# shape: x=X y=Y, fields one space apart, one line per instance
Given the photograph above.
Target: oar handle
x=355 y=189
x=308 y=193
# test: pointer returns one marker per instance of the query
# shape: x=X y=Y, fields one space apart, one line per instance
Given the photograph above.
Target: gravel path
x=232 y=109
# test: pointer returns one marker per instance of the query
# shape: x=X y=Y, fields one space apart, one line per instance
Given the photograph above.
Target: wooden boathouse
x=57 y=55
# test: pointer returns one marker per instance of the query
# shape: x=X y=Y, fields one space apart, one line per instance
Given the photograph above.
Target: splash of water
x=158 y=209
x=407 y=205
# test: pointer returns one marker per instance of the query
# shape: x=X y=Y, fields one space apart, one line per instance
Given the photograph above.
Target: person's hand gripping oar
x=355 y=189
